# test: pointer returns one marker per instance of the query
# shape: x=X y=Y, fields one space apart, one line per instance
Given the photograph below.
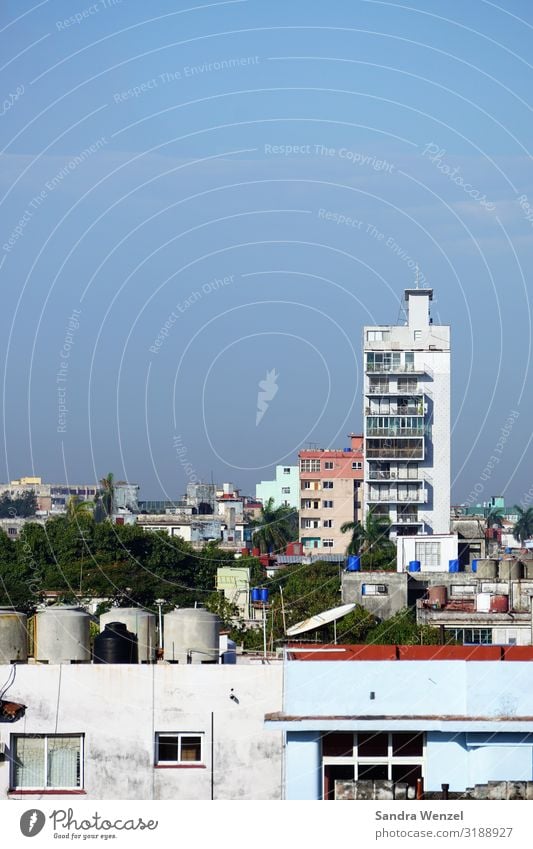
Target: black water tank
x=115 y=645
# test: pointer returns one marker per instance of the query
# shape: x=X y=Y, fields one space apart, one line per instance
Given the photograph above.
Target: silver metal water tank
x=13 y=636
x=141 y=623
x=62 y=635
x=191 y=635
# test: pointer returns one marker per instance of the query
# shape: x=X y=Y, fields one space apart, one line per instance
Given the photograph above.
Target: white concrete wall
x=119 y=708
x=406 y=549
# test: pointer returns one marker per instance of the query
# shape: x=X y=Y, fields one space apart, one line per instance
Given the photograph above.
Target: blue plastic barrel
x=263 y=595
x=256 y=594
x=508 y=550
x=354 y=563
x=414 y=566
x=474 y=565
x=453 y=565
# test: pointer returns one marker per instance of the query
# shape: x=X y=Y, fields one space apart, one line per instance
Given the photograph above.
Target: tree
x=402 y=629
x=523 y=528
x=21 y=506
x=356 y=541
x=371 y=540
x=78 y=509
x=494 y=517
x=108 y=493
x=276 y=528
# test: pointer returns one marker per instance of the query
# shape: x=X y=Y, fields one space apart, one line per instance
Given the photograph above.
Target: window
x=466 y=636
x=286 y=470
x=309 y=465
x=175 y=749
x=328 y=465
x=310 y=523
x=286 y=490
x=47 y=762
x=327 y=503
x=377 y=335
x=357 y=465
x=374 y=589
x=327 y=523
x=12 y=532
x=417 y=335
x=327 y=543
x=327 y=484
x=394 y=756
x=428 y=553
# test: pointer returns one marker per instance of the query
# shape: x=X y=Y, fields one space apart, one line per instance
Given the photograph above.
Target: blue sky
x=168 y=173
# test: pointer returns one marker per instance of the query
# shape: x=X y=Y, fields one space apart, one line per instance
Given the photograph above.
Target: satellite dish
x=320 y=619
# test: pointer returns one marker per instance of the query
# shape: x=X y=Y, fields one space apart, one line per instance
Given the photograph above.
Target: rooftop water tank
x=414 y=566
x=453 y=565
x=115 y=644
x=354 y=563
x=13 y=636
x=499 y=603
x=256 y=595
x=62 y=635
x=487 y=569
x=510 y=570
x=141 y=623
x=483 y=602
x=474 y=565
x=437 y=596
x=191 y=636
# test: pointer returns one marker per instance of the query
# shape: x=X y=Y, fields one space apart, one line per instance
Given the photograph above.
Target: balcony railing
x=393 y=476
x=391 y=496
x=406 y=519
x=417 y=410
x=395 y=453
x=394 y=432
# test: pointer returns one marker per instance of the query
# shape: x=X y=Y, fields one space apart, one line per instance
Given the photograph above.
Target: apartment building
x=284 y=489
x=331 y=482
x=407 y=420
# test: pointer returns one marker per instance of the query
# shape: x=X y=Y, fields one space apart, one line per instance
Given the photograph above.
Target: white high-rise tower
x=407 y=420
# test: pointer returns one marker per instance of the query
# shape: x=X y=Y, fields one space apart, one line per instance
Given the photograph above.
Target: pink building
x=331 y=493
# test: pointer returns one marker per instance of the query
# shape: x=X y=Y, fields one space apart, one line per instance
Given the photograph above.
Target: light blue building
x=455 y=722
x=284 y=490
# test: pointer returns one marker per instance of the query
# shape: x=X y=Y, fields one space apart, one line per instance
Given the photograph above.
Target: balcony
x=413 y=410
x=398 y=497
x=396 y=368
x=406 y=519
x=393 y=453
x=394 y=432
x=393 y=475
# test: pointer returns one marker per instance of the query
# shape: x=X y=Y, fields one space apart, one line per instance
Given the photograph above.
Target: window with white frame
x=374 y=589
x=309 y=465
x=428 y=553
x=286 y=470
x=327 y=523
x=310 y=523
x=286 y=490
x=173 y=749
x=327 y=543
x=328 y=465
x=327 y=504
x=327 y=484
x=417 y=335
x=47 y=762
x=357 y=465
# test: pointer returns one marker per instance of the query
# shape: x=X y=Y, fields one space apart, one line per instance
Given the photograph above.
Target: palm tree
x=358 y=534
x=494 y=517
x=523 y=529
x=275 y=528
x=78 y=509
x=370 y=538
x=108 y=493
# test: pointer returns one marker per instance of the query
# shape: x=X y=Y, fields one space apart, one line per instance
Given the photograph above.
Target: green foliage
x=224 y=609
x=22 y=506
x=277 y=526
x=402 y=629
x=371 y=540
x=80 y=558
x=523 y=529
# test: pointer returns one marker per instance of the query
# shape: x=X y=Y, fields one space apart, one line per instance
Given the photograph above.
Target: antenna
x=417 y=275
